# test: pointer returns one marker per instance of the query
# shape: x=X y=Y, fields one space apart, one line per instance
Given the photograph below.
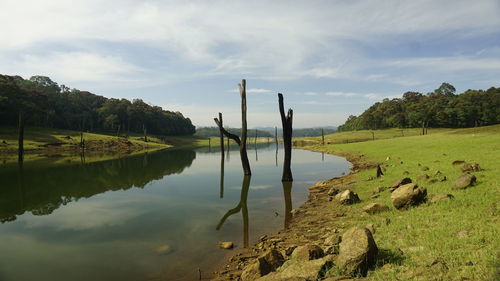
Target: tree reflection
x=41 y=189
x=242 y=206
x=287 y=193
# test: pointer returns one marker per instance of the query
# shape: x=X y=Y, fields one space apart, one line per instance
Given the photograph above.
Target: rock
x=406 y=173
x=333 y=191
x=290 y=250
x=464 y=181
x=332 y=244
x=163 y=250
x=431 y=181
x=408 y=195
x=371 y=227
x=374 y=208
x=358 y=251
x=226 y=245
x=264 y=264
x=457 y=162
x=442 y=178
x=379 y=189
x=308 y=252
x=347 y=197
x=440 y=197
x=294 y=270
x=423 y=177
x=399 y=182
x=388 y=158
x=424 y=168
x=470 y=167
x=436 y=173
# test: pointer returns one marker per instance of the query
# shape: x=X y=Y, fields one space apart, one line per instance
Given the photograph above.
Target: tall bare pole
x=243 y=141
x=286 y=122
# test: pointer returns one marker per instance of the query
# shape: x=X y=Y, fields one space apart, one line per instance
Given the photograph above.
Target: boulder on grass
x=299 y=270
x=470 y=167
x=358 y=252
x=464 y=181
x=457 y=162
x=374 y=208
x=440 y=197
x=399 y=182
x=268 y=262
x=408 y=195
x=423 y=177
x=347 y=197
x=332 y=244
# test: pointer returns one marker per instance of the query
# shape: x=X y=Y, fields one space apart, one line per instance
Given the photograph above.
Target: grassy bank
x=41 y=143
x=457 y=239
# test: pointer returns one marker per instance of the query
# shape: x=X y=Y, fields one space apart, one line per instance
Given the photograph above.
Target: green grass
x=100 y=146
x=367 y=135
x=460 y=236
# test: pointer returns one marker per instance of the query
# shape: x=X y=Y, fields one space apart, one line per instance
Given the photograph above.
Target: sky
x=330 y=59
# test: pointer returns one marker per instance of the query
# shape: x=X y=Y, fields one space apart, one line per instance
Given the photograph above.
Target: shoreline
x=312 y=222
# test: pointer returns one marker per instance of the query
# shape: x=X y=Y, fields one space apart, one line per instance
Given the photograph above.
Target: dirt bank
x=312 y=222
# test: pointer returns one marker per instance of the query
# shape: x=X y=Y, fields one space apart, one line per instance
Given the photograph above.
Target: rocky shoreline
x=309 y=245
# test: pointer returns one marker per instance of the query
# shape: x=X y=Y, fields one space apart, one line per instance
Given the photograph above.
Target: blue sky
x=330 y=59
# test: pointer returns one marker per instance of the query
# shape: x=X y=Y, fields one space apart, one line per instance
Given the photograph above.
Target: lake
x=156 y=216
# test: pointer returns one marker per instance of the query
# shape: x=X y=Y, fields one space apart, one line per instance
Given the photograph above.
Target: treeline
x=441 y=108
x=207 y=132
x=41 y=102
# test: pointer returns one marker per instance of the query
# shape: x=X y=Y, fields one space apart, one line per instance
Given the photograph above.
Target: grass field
x=42 y=142
x=457 y=239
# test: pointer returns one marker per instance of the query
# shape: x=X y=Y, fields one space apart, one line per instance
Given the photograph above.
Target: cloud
x=370 y=96
x=75 y=66
x=254 y=91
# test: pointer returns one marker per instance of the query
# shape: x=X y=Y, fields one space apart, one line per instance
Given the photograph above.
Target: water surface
x=157 y=216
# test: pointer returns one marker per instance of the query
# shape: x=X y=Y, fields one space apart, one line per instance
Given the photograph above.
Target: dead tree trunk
x=322 y=137
x=221 y=136
x=145 y=131
x=20 y=149
x=286 y=122
x=242 y=143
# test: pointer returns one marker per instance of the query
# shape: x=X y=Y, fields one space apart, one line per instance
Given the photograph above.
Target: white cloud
x=253 y=91
x=370 y=96
x=73 y=66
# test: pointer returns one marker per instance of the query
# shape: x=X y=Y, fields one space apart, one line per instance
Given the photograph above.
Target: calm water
x=106 y=220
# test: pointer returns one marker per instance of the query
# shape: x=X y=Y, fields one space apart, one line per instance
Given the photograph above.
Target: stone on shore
x=268 y=262
x=226 y=245
x=374 y=208
x=295 y=270
x=308 y=252
x=347 y=197
x=163 y=250
x=358 y=252
x=423 y=177
x=464 y=181
x=408 y=195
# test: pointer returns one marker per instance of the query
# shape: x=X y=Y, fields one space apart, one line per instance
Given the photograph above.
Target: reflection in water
x=276 y=153
x=222 y=173
x=287 y=193
x=242 y=205
x=41 y=189
x=322 y=156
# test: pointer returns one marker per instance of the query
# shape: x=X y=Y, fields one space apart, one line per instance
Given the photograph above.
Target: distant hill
x=207 y=132
x=439 y=109
x=302 y=132
x=43 y=103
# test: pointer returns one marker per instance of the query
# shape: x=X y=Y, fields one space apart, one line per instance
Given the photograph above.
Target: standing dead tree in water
x=222 y=158
x=286 y=122
x=243 y=142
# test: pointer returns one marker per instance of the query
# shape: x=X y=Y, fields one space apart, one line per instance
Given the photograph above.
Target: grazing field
x=454 y=239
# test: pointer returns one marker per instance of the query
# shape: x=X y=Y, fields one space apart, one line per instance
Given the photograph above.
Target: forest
x=41 y=102
x=441 y=108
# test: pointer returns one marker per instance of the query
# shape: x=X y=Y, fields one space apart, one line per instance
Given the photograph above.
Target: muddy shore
x=311 y=223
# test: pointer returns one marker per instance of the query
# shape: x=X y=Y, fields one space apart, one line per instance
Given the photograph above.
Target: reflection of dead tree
x=287 y=192
x=286 y=122
x=242 y=206
x=243 y=142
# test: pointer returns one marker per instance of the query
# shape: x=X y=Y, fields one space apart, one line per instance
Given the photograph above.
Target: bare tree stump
x=20 y=147
x=243 y=142
x=379 y=171
x=286 y=122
